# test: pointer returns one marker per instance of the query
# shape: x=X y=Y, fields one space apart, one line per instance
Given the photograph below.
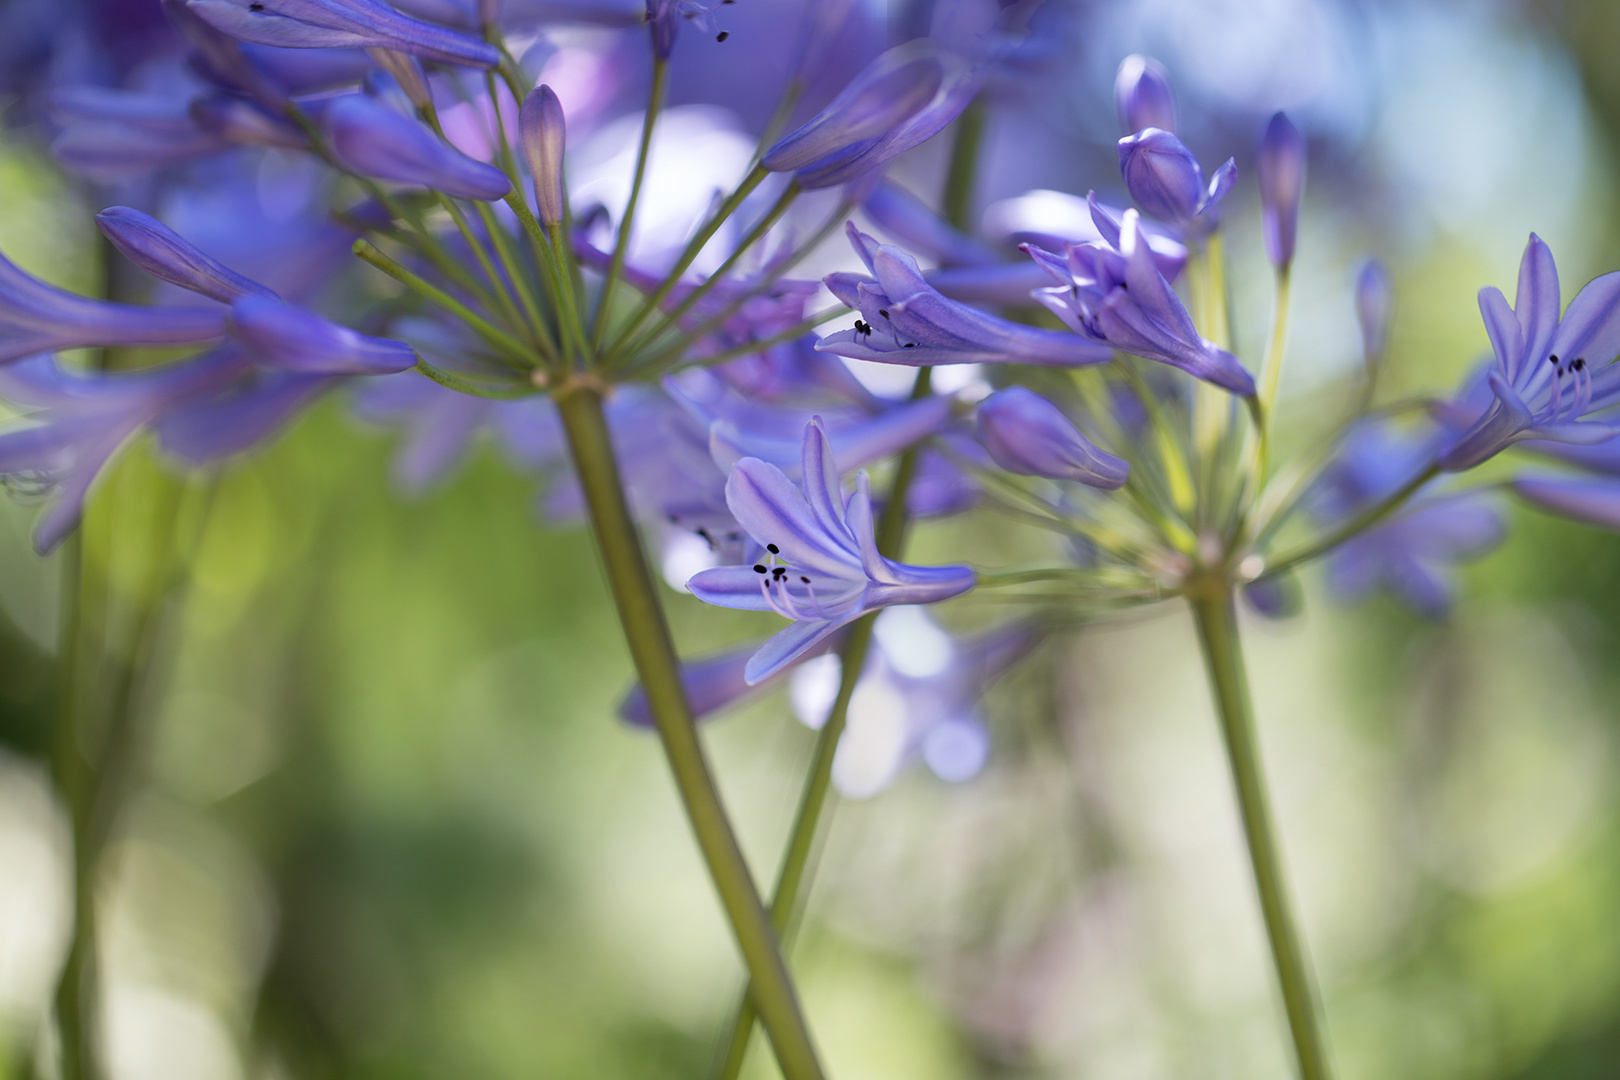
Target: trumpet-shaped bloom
x=374 y=140
x=1549 y=372
x=1113 y=294
x=328 y=24
x=905 y=320
x=1167 y=182
x=36 y=317
x=77 y=421
x=1027 y=434
x=823 y=569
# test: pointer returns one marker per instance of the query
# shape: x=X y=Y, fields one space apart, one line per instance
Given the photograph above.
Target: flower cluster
x=620 y=309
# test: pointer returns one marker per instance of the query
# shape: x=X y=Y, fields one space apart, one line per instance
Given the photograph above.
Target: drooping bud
x=543 y=135
x=1281 y=169
x=1143 y=96
x=1027 y=434
x=1374 y=299
x=376 y=141
x=282 y=336
x=165 y=254
x=407 y=71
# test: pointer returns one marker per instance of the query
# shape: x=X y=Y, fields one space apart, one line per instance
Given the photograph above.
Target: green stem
x=1215 y=616
x=796 y=867
x=513 y=347
x=647 y=633
x=74 y=995
x=1365 y=520
x=622 y=247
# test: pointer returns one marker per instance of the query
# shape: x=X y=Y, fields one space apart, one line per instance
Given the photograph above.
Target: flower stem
x=796 y=858
x=647 y=633
x=622 y=247
x=1215 y=617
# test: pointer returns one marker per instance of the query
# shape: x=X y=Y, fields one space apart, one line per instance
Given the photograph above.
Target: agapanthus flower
x=822 y=568
x=165 y=254
x=111 y=135
x=76 y=421
x=1549 y=373
x=283 y=336
x=906 y=219
x=1113 y=293
x=900 y=100
x=36 y=317
x=1413 y=551
x=905 y=320
x=374 y=140
x=1142 y=95
x=1166 y=181
x=327 y=24
x=1027 y=434
x=1280 y=167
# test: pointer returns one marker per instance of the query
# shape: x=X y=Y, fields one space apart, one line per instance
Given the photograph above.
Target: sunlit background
x=379 y=819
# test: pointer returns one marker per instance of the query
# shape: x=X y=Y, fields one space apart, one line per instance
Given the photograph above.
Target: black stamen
x=1553 y=359
x=778 y=571
x=773 y=549
x=255 y=7
x=722 y=35
x=911 y=344
x=758 y=569
x=804 y=579
x=883 y=313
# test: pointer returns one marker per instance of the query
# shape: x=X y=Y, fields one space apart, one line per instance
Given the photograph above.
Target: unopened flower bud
x=376 y=141
x=1027 y=434
x=1281 y=169
x=543 y=134
x=1162 y=175
x=1374 y=298
x=1143 y=96
x=881 y=98
x=165 y=254
x=282 y=336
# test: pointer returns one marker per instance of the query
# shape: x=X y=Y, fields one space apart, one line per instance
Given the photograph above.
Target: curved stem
x=1215 y=617
x=1365 y=520
x=647 y=633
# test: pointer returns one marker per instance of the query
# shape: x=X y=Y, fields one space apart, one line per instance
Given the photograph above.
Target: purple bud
x=1277 y=597
x=1162 y=175
x=1281 y=170
x=407 y=71
x=543 y=135
x=1027 y=434
x=1374 y=298
x=889 y=92
x=327 y=24
x=282 y=336
x=164 y=253
x=1143 y=96
x=238 y=120
x=375 y=141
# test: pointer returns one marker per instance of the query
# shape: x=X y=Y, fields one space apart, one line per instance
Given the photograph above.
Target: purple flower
x=164 y=253
x=1412 y=552
x=1053 y=219
x=1167 y=182
x=1281 y=169
x=823 y=569
x=327 y=24
x=1594 y=500
x=36 y=317
x=110 y=135
x=905 y=320
x=1114 y=294
x=289 y=338
x=1027 y=434
x=376 y=141
x=664 y=19
x=717 y=682
x=1142 y=95
x=543 y=135
x=1548 y=373
x=77 y=421
x=900 y=100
